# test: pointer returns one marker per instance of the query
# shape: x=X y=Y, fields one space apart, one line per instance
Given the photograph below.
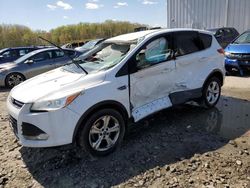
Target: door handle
x=122 y=87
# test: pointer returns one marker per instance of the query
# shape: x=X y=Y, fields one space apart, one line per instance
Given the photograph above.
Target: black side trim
x=185 y=96
x=31 y=130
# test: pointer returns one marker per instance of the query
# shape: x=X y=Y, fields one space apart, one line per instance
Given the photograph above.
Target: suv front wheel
x=102 y=132
x=211 y=92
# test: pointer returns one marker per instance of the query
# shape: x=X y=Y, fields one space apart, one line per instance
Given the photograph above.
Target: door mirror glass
x=29 y=61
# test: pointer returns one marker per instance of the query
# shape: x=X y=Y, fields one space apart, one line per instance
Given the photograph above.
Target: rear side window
x=69 y=52
x=22 y=52
x=206 y=40
x=186 y=42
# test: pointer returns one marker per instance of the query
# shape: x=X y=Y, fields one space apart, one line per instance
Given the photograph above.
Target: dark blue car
x=11 y=54
x=238 y=54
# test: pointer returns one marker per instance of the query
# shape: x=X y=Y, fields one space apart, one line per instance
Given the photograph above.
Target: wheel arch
x=101 y=105
x=215 y=73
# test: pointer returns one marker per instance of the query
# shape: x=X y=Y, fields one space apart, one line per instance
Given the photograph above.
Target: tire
x=211 y=92
x=13 y=79
x=99 y=138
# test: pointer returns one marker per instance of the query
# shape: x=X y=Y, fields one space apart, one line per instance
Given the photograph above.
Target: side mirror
x=1 y=56
x=29 y=61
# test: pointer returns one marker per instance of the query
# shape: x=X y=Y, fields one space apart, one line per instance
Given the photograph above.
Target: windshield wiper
x=73 y=61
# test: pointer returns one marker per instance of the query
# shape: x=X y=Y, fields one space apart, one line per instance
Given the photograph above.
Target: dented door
x=154 y=79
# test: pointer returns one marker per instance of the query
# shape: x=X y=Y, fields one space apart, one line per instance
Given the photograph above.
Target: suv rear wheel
x=211 y=92
x=102 y=132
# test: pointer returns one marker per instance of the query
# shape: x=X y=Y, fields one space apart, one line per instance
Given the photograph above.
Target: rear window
x=206 y=40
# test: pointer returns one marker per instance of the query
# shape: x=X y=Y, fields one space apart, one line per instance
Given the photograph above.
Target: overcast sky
x=48 y=14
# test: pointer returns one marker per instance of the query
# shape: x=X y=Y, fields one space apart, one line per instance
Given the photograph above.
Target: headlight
x=228 y=54
x=50 y=105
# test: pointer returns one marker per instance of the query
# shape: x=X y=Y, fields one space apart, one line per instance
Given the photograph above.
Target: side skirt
x=181 y=97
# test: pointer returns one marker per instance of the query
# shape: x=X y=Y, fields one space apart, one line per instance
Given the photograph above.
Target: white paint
x=150 y=89
x=152 y=107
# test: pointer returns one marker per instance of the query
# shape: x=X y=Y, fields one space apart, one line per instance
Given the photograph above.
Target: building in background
x=206 y=14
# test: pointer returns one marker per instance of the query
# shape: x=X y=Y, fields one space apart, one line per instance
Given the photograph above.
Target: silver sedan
x=32 y=64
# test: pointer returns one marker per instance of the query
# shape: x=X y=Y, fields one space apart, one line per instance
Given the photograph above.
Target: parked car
x=11 y=54
x=225 y=35
x=89 y=45
x=238 y=55
x=32 y=64
x=73 y=45
x=124 y=79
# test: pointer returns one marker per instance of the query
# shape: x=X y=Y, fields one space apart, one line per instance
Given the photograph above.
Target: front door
x=153 y=78
x=43 y=62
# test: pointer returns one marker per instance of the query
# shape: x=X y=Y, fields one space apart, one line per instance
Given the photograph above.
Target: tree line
x=19 y=35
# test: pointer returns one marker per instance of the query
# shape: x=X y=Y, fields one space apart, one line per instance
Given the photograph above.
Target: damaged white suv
x=127 y=77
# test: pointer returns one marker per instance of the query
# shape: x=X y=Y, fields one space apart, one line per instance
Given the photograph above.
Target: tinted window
x=10 y=54
x=228 y=32
x=69 y=52
x=206 y=40
x=58 y=54
x=157 y=51
x=186 y=42
x=42 y=56
x=22 y=52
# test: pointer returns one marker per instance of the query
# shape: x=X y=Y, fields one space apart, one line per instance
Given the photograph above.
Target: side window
x=155 y=52
x=206 y=40
x=58 y=54
x=228 y=32
x=219 y=33
x=69 y=52
x=42 y=56
x=10 y=54
x=186 y=42
x=22 y=52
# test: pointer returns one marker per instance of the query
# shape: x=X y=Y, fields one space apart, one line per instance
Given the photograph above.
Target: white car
x=126 y=78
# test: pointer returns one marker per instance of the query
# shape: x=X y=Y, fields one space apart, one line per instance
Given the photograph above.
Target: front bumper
x=239 y=65
x=57 y=126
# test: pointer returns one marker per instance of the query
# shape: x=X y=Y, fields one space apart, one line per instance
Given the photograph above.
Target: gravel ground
x=185 y=146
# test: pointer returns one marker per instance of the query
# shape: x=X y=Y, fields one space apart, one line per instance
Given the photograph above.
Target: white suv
x=126 y=78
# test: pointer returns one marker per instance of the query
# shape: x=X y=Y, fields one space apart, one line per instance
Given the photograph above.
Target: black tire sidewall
x=8 y=76
x=83 y=136
x=204 y=94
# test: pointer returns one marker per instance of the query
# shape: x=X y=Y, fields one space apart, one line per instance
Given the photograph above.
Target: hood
x=6 y=66
x=57 y=83
x=238 y=48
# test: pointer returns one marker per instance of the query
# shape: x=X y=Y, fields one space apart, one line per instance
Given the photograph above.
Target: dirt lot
x=185 y=146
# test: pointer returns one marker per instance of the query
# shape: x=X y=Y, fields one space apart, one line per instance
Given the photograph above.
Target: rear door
x=191 y=60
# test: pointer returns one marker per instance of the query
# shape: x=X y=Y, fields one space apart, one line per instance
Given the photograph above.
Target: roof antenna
x=73 y=61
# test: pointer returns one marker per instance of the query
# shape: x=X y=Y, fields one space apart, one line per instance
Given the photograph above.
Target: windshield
x=89 y=45
x=104 y=57
x=243 y=39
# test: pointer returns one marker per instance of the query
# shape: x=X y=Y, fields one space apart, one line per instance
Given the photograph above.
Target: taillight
x=221 y=51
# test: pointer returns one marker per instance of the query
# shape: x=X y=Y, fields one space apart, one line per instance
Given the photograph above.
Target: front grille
x=238 y=56
x=13 y=124
x=17 y=103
